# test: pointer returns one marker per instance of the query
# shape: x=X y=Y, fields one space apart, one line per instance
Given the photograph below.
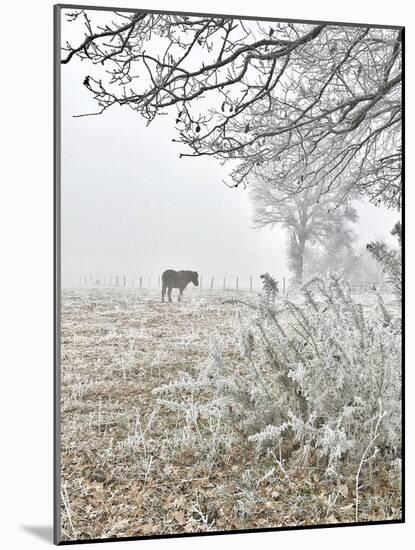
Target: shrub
x=390 y=260
x=319 y=379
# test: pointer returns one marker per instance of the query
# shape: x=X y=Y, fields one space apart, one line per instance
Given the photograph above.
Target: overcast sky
x=131 y=207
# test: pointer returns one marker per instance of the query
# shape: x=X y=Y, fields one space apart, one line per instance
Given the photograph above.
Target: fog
x=131 y=206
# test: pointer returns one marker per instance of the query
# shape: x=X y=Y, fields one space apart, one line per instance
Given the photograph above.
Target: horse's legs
x=180 y=294
x=163 y=292
x=169 y=293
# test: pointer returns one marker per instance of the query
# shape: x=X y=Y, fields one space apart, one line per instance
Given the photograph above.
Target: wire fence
x=235 y=284
x=150 y=283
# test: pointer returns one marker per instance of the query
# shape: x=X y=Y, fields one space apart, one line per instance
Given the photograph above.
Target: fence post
x=211 y=283
x=201 y=283
x=141 y=282
x=158 y=282
x=283 y=286
x=250 y=283
x=124 y=281
x=116 y=280
x=237 y=283
x=224 y=283
x=149 y=282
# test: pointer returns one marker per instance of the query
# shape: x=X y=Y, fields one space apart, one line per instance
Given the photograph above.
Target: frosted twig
x=65 y=500
x=363 y=459
x=148 y=470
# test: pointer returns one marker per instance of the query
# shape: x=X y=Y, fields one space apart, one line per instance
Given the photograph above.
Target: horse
x=177 y=279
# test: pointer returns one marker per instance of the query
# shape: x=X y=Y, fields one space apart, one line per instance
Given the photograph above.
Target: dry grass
x=131 y=467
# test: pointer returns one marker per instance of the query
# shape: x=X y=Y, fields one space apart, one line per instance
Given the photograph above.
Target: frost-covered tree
x=363 y=268
x=320 y=104
x=336 y=250
x=309 y=217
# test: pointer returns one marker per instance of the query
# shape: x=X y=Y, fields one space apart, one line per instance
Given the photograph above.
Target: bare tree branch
x=318 y=105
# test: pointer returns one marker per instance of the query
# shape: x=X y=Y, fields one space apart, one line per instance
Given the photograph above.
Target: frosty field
x=132 y=466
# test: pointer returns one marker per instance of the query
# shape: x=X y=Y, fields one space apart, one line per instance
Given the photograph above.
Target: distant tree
x=336 y=249
x=364 y=268
x=319 y=104
x=309 y=217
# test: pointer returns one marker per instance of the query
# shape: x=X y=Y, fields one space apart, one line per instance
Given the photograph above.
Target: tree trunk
x=300 y=260
x=296 y=254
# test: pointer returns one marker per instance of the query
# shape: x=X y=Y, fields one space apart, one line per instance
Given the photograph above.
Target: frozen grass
x=131 y=466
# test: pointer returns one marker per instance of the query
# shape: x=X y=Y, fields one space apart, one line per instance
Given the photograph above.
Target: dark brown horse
x=177 y=279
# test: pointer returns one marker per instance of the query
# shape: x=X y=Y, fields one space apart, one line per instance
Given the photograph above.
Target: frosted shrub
x=390 y=260
x=321 y=377
x=270 y=287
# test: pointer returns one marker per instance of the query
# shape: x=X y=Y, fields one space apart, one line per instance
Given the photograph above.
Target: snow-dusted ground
x=117 y=345
x=131 y=467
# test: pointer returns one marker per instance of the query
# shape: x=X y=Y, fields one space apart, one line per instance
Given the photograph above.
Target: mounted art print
x=228 y=274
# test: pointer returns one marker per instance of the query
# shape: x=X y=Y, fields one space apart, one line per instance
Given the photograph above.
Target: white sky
x=131 y=207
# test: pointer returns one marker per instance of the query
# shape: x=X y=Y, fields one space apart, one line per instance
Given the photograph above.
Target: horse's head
x=195 y=278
